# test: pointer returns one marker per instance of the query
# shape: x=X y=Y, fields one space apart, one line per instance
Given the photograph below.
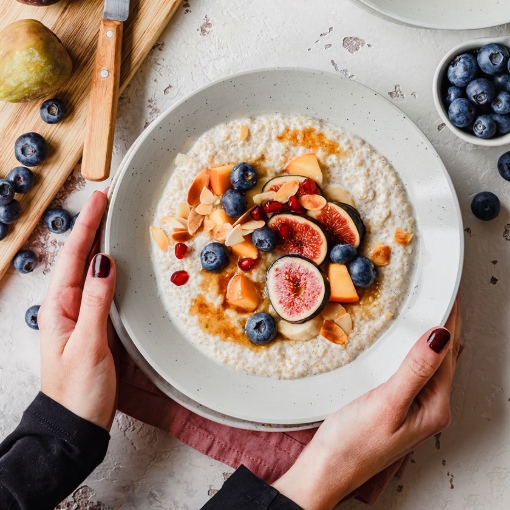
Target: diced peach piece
x=402 y=238
x=242 y=293
x=342 y=288
x=220 y=217
x=159 y=237
x=195 y=190
x=380 y=254
x=307 y=165
x=333 y=311
x=220 y=179
x=334 y=333
x=245 y=250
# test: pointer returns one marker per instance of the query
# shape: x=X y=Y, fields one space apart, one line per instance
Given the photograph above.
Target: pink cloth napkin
x=267 y=454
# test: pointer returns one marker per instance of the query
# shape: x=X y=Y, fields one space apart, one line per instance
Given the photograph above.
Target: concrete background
x=469 y=465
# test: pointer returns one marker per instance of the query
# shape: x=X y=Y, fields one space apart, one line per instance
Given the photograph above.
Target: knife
x=104 y=94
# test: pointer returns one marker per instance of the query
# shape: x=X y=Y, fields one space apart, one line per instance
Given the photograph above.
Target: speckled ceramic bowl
x=146 y=170
x=438 y=89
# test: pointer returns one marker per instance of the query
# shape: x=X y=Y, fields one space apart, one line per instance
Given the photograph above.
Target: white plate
x=290 y=91
x=442 y=14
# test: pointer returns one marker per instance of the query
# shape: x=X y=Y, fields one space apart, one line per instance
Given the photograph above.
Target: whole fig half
x=33 y=62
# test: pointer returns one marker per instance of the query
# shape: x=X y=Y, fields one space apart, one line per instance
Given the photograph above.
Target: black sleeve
x=47 y=456
x=243 y=490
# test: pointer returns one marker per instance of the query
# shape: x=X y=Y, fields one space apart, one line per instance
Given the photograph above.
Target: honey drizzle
x=311 y=139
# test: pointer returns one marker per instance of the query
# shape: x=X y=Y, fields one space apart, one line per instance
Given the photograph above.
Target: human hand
x=375 y=430
x=77 y=366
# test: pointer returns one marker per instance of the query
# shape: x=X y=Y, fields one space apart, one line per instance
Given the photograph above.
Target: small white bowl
x=440 y=75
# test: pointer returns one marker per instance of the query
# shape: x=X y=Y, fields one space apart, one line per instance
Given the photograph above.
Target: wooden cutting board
x=76 y=24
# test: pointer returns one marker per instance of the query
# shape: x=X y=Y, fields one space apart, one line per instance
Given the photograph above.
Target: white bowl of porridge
x=282 y=239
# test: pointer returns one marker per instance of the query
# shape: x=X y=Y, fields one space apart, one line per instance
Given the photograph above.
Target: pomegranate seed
x=180 y=250
x=295 y=206
x=285 y=231
x=179 y=278
x=258 y=213
x=246 y=264
x=272 y=206
x=310 y=187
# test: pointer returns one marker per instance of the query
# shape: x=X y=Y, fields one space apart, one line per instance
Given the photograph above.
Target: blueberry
x=10 y=212
x=261 y=328
x=4 y=230
x=25 y=261
x=31 y=149
x=22 y=179
x=342 y=253
x=244 y=176
x=502 y=82
x=481 y=91
x=31 y=317
x=265 y=239
x=363 y=272
x=461 y=113
x=501 y=103
x=214 y=257
x=234 y=203
x=57 y=220
x=53 y=111
x=454 y=93
x=462 y=70
x=502 y=123
x=484 y=127
x=485 y=206
x=504 y=166
x=493 y=58
x=6 y=191
x=73 y=221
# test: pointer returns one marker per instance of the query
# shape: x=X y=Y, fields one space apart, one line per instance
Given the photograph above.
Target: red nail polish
x=438 y=339
x=101 y=266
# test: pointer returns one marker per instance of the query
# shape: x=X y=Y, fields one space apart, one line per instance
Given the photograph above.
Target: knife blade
x=117 y=10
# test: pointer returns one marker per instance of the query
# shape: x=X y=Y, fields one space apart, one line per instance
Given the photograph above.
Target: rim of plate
x=123 y=168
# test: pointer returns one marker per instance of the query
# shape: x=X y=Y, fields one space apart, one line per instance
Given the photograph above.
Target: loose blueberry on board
x=261 y=328
x=10 y=213
x=4 y=230
x=501 y=103
x=22 y=179
x=484 y=127
x=57 y=220
x=481 y=91
x=462 y=70
x=25 y=261
x=504 y=166
x=493 y=58
x=363 y=272
x=31 y=149
x=454 y=93
x=73 y=221
x=234 y=203
x=214 y=257
x=502 y=82
x=6 y=191
x=244 y=176
x=53 y=111
x=31 y=316
x=461 y=113
x=342 y=253
x=502 y=123
x=265 y=239
x=486 y=206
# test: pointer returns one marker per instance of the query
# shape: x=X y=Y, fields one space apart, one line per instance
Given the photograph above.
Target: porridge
x=283 y=245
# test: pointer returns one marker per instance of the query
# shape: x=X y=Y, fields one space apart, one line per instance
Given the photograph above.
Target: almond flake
x=402 y=238
x=248 y=232
x=334 y=333
x=380 y=254
x=207 y=196
x=208 y=225
x=345 y=322
x=253 y=224
x=333 y=311
x=217 y=201
x=181 y=236
x=204 y=209
x=286 y=191
x=195 y=221
x=245 y=217
x=235 y=236
x=172 y=221
x=313 y=202
x=263 y=197
x=183 y=210
x=195 y=190
x=220 y=232
x=244 y=133
x=159 y=237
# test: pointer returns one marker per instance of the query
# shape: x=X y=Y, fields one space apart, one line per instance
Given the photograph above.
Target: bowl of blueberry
x=472 y=91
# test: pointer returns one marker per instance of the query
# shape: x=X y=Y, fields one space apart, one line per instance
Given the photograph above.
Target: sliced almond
x=195 y=221
x=181 y=236
x=345 y=322
x=208 y=225
x=313 y=202
x=204 y=209
x=243 y=135
x=253 y=225
x=334 y=333
x=159 y=237
x=174 y=222
x=217 y=201
x=245 y=217
x=333 y=311
x=207 y=196
x=402 y=238
x=263 y=197
x=220 y=232
x=338 y=194
x=286 y=191
x=183 y=210
x=201 y=181
x=381 y=254
x=235 y=236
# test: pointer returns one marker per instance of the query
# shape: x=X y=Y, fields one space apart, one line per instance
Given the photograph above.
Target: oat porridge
x=283 y=245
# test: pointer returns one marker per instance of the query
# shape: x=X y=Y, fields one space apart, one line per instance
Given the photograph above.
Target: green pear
x=33 y=62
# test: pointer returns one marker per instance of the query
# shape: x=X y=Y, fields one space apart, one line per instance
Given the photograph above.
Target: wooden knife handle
x=104 y=96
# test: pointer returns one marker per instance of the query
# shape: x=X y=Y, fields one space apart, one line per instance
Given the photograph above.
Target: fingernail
x=101 y=266
x=438 y=339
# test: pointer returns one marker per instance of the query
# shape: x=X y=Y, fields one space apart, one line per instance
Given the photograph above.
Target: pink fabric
x=267 y=454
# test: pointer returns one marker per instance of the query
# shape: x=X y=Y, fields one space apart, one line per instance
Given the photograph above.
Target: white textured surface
x=146 y=469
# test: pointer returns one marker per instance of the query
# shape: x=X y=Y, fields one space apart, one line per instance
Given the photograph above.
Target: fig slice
x=297 y=288
x=342 y=221
x=276 y=183
x=306 y=236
